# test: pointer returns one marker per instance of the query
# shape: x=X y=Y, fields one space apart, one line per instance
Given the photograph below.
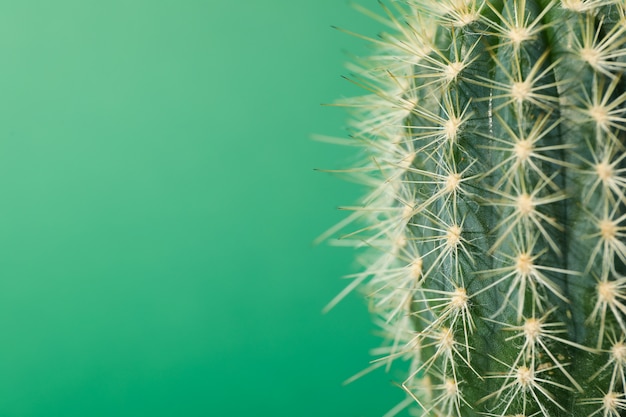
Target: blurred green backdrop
x=158 y=208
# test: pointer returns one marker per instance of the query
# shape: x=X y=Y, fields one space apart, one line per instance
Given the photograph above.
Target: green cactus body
x=494 y=135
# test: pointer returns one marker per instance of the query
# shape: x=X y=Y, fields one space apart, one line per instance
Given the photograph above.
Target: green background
x=159 y=204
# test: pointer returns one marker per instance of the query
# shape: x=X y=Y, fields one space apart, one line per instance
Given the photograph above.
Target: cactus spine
x=494 y=142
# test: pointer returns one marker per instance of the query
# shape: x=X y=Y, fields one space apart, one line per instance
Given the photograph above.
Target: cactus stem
x=611 y=404
x=515 y=27
x=525 y=379
x=610 y=296
x=610 y=235
x=524 y=273
x=526 y=214
x=617 y=359
x=449 y=307
x=494 y=230
x=601 y=53
x=448 y=402
x=604 y=109
x=608 y=174
x=524 y=152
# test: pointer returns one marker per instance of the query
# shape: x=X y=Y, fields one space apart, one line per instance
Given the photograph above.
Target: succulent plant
x=493 y=148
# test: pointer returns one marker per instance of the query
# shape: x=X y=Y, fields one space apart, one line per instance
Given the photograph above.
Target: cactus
x=493 y=139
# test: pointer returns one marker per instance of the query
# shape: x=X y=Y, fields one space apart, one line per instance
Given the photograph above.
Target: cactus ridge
x=493 y=136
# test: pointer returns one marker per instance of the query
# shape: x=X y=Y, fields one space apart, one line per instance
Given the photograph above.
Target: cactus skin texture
x=493 y=136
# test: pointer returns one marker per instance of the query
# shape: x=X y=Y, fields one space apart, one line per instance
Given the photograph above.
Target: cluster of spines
x=494 y=138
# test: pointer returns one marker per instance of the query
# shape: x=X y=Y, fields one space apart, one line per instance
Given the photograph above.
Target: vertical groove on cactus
x=494 y=150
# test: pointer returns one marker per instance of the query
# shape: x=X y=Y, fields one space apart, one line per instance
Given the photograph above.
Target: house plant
x=492 y=136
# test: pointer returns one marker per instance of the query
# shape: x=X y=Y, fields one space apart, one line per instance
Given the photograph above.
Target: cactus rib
x=493 y=135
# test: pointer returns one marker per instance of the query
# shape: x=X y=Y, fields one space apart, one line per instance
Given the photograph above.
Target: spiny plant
x=493 y=136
